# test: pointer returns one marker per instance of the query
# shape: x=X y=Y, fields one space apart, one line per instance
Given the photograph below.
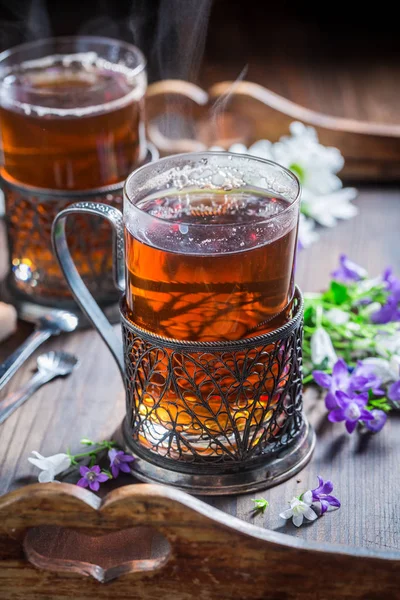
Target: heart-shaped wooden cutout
x=104 y=558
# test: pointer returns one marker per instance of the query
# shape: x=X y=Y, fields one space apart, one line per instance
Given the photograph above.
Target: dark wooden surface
x=366 y=473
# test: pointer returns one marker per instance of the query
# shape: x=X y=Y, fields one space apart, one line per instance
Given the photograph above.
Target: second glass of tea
x=71 y=127
x=71 y=112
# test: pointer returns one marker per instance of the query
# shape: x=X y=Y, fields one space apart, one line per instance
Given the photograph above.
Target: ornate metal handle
x=81 y=294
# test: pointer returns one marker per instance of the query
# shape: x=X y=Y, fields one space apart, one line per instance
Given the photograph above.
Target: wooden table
x=365 y=472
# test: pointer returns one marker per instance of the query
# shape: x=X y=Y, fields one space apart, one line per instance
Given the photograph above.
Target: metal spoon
x=52 y=323
x=50 y=365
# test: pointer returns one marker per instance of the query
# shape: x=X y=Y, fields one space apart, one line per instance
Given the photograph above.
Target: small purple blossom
x=92 y=477
x=348 y=270
x=323 y=495
x=351 y=409
x=361 y=380
x=394 y=391
x=119 y=461
x=378 y=421
x=365 y=379
x=339 y=380
x=392 y=283
x=388 y=312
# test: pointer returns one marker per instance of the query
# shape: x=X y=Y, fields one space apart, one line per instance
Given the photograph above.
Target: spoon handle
x=11 y=365
x=14 y=400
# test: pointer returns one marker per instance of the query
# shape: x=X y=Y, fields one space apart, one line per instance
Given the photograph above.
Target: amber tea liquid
x=231 y=291
x=70 y=122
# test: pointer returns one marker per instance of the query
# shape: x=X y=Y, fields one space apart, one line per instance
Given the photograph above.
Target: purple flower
x=392 y=282
x=348 y=271
x=394 y=391
x=92 y=477
x=322 y=494
x=364 y=379
x=351 y=409
x=388 y=312
x=379 y=420
x=119 y=461
x=361 y=380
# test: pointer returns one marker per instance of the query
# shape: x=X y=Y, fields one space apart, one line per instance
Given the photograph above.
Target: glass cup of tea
x=71 y=112
x=211 y=319
x=71 y=127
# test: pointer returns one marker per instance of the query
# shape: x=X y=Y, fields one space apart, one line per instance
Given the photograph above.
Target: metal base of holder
x=275 y=469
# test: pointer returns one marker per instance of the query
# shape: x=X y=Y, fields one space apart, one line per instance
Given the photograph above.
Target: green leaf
x=339 y=292
x=309 y=316
x=261 y=504
x=323 y=366
x=379 y=403
x=297 y=170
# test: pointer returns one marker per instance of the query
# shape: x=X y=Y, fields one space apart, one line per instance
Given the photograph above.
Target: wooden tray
x=352 y=553
x=245 y=112
x=146 y=541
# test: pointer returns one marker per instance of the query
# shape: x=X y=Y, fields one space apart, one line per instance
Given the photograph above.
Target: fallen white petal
x=307 y=497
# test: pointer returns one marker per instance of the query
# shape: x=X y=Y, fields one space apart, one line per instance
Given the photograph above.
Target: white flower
x=386 y=370
x=371 y=308
x=315 y=165
x=337 y=316
x=388 y=343
x=238 y=149
x=300 y=509
x=50 y=466
x=307 y=233
x=327 y=209
x=323 y=198
x=322 y=348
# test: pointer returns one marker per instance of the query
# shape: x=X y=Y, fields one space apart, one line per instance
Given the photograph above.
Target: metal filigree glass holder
x=214 y=417
x=34 y=275
x=209 y=417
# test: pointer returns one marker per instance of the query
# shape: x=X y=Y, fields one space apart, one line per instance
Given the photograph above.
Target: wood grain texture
x=210 y=555
x=91 y=403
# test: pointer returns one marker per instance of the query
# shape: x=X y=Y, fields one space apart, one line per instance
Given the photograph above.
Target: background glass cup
x=71 y=112
x=211 y=327
x=71 y=128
